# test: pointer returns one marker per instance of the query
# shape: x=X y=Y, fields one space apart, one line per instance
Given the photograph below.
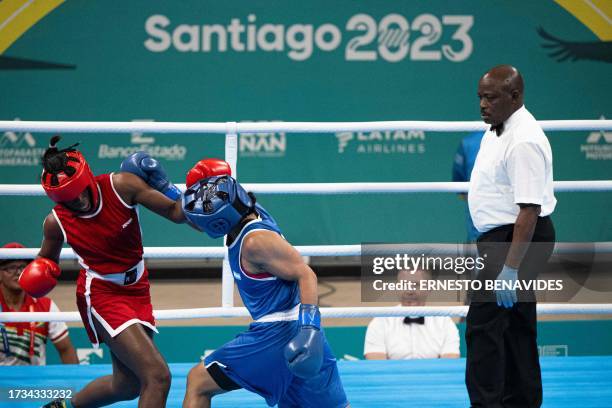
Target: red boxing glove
x=207 y=168
x=39 y=277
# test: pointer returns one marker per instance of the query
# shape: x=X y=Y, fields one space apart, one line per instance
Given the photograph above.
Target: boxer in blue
x=283 y=356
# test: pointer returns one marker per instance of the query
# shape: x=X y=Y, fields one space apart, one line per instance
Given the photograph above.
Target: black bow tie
x=499 y=129
x=417 y=320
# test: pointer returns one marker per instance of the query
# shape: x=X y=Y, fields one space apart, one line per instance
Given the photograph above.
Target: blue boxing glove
x=506 y=297
x=152 y=172
x=304 y=353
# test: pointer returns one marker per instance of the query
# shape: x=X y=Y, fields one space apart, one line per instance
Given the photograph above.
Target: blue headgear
x=216 y=204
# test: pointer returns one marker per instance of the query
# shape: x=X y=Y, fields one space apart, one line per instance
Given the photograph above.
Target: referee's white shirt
x=515 y=167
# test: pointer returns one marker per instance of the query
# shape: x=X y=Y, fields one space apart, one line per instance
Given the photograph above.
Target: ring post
x=231 y=156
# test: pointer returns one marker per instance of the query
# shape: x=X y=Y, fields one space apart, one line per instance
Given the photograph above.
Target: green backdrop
x=312 y=60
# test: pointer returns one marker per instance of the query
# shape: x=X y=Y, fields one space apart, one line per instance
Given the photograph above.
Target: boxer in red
x=98 y=217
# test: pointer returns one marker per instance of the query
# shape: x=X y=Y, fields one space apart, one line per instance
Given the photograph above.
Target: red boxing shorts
x=113 y=305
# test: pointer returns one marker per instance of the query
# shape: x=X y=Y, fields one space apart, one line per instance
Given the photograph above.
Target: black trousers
x=503 y=368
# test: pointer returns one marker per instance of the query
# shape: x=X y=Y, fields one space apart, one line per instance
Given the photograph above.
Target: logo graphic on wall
x=553 y=350
x=596 y=16
x=598 y=145
x=19 y=149
x=17 y=17
x=262 y=144
x=140 y=142
x=561 y=50
x=382 y=142
x=87 y=356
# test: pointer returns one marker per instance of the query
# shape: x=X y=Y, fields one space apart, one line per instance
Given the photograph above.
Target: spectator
x=462 y=170
x=25 y=343
x=405 y=338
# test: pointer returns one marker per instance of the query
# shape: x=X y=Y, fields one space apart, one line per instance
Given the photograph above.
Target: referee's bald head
x=500 y=91
x=509 y=76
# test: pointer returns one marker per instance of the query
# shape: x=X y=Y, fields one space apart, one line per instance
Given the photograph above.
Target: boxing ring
x=568 y=382
x=584 y=382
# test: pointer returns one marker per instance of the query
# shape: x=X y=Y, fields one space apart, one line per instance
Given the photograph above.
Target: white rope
x=316 y=250
x=399 y=187
x=287 y=127
x=350 y=188
x=326 y=312
x=149 y=252
x=189 y=252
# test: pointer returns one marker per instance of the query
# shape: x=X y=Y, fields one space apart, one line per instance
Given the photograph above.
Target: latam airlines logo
x=382 y=142
x=598 y=145
x=19 y=149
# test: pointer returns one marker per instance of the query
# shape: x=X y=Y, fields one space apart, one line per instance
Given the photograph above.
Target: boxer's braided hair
x=55 y=161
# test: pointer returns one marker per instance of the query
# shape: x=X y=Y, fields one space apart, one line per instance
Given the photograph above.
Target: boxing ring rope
x=350 y=188
x=288 y=127
x=318 y=250
x=327 y=312
x=231 y=131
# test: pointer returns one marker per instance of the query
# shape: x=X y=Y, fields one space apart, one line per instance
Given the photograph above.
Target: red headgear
x=13 y=245
x=67 y=182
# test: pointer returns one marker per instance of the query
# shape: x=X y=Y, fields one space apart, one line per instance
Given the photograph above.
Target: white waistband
x=285 y=315
x=119 y=278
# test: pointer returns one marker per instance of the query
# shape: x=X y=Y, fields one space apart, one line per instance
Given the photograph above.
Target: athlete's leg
x=253 y=360
x=201 y=387
x=122 y=385
x=135 y=350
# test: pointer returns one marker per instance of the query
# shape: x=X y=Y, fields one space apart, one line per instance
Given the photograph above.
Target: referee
x=510 y=200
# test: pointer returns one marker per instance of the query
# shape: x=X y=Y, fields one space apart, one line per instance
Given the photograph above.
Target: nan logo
x=19 y=149
x=382 y=142
x=262 y=144
x=598 y=145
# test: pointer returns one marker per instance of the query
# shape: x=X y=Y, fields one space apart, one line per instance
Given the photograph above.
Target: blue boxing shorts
x=254 y=360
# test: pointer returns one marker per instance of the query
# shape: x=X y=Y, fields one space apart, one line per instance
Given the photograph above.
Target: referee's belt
x=126 y=278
